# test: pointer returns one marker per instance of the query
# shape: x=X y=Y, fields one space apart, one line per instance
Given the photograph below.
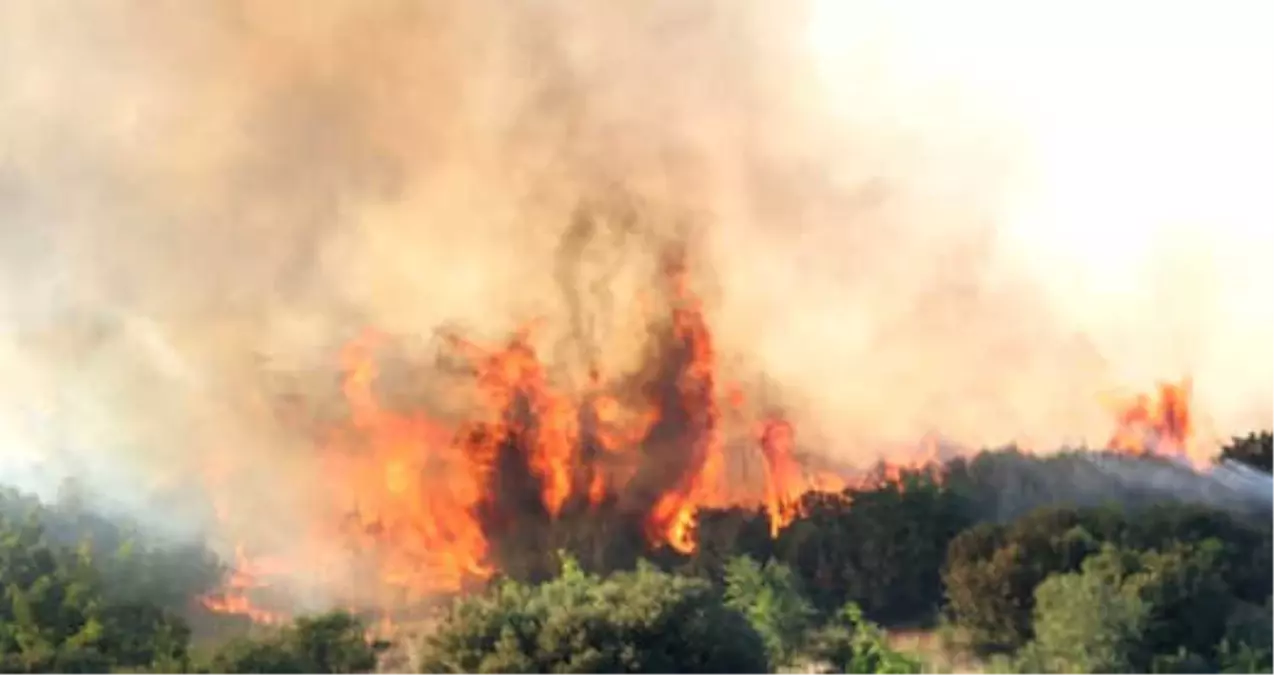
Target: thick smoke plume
x=199 y=204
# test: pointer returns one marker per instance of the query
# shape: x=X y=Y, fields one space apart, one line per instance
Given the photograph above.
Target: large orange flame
x=430 y=506
x=1158 y=424
x=428 y=503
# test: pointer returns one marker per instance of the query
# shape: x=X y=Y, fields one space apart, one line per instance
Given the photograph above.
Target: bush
x=880 y=548
x=851 y=644
x=1248 y=645
x=1137 y=611
x=329 y=643
x=132 y=567
x=1254 y=450
x=770 y=597
x=641 y=621
x=56 y=614
x=992 y=571
x=723 y=534
x=1092 y=621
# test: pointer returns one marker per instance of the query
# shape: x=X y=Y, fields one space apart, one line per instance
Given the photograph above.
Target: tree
x=881 y=547
x=1089 y=621
x=1248 y=645
x=56 y=614
x=1244 y=555
x=640 y=621
x=722 y=534
x=328 y=643
x=771 y=599
x=1254 y=450
x=1190 y=601
x=134 y=566
x=851 y=644
x=992 y=571
x=1134 y=611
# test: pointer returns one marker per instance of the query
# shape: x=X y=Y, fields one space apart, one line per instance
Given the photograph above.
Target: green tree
x=640 y=621
x=1191 y=603
x=881 y=548
x=328 y=643
x=1134 y=611
x=1254 y=450
x=57 y=616
x=1089 y=621
x=851 y=644
x=992 y=571
x=771 y=599
x=1248 y=645
x=722 y=534
x=1244 y=555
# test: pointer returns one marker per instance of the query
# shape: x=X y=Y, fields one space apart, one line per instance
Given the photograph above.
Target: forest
x=1001 y=562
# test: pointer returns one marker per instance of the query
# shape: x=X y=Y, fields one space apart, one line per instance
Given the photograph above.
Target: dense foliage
x=84 y=593
x=992 y=571
x=1071 y=563
x=647 y=621
x=331 y=643
x=1254 y=450
x=879 y=548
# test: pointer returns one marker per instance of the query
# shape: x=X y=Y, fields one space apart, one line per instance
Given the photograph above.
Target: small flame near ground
x=431 y=508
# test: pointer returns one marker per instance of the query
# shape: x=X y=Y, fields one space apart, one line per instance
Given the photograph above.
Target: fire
x=417 y=504
x=785 y=481
x=432 y=505
x=1159 y=423
x=233 y=597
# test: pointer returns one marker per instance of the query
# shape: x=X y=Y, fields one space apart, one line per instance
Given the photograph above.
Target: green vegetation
x=648 y=621
x=1254 y=450
x=630 y=622
x=331 y=643
x=1072 y=563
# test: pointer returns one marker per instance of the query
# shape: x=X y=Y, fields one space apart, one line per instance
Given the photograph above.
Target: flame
x=1156 y=424
x=785 y=481
x=233 y=598
x=428 y=503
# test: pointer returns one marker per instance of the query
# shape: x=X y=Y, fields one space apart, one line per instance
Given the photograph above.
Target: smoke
x=904 y=232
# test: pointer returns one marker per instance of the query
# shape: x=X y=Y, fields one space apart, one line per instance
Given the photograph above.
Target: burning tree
x=419 y=502
x=613 y=472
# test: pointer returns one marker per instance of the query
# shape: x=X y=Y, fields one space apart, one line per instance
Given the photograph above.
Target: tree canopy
x=1058 y=564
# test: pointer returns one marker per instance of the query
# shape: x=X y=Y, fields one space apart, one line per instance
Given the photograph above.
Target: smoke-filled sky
x=974 y=219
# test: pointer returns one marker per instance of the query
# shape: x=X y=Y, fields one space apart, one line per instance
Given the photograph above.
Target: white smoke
x=961 y=219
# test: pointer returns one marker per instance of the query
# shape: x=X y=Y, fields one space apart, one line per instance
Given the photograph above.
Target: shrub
x=1133 y=611
x=1089 y=621
x=56 y=616
x=881 y=548
x=770 y=597
x=329 y=643
x=1254 y=450
x=992 y=571
x=641 y=621
x=851 y=644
